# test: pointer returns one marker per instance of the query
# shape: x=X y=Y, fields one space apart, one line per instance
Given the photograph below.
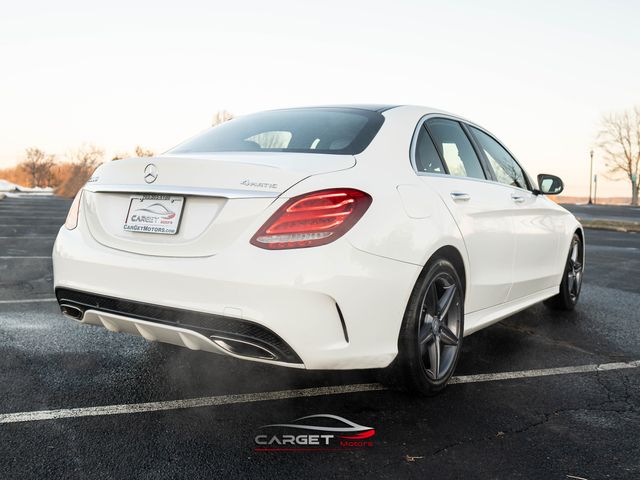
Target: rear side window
x=455 y=148
x=503 y=164
x=427 y=158
x=345 y=131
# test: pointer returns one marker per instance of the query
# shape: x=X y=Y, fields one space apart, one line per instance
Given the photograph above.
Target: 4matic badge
x=252 y=183
x=314 y=433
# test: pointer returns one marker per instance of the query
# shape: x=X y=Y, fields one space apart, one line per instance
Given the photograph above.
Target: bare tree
x=38 y=166
x=221 y=116
x=141 y=152
x=86 y=158
x=84 y=161
x=619 y=139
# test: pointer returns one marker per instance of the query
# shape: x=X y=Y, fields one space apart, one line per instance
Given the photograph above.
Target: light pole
x=591 y=178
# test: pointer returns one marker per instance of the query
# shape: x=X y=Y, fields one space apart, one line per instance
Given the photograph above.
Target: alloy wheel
x=574 y=270
x=439 y=326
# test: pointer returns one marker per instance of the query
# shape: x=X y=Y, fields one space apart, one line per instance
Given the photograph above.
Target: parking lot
x=540 y=395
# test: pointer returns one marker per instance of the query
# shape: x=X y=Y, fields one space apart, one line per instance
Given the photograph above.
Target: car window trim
x=460 y=124
x=414 y=141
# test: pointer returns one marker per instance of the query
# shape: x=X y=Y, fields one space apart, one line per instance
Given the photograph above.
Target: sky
x=539 y=75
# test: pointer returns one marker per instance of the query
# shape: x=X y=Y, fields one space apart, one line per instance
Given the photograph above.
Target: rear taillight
x=72 y=217
x=312 y=219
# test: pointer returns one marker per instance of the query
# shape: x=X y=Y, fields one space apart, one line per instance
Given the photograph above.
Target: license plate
x=154 y=214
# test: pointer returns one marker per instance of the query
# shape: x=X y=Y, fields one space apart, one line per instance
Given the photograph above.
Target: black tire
x=433 y=321
x=571 y=283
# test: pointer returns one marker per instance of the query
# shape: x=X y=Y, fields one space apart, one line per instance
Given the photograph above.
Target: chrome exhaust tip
x=243 y=348
x=72 y=312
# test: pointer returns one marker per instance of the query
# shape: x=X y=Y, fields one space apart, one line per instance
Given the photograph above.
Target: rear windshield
x=345 y=131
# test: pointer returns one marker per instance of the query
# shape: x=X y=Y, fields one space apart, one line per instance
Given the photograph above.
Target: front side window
x=346 y=131
x=455 y=148
x=503 y=164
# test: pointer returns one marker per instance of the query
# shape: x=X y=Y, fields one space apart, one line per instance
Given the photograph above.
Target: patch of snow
x=11 y=189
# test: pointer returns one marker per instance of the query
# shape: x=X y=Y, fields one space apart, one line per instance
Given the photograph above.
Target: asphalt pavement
x=511 y=415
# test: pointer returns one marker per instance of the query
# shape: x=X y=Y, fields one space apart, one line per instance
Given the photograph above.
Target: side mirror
x=549 y=184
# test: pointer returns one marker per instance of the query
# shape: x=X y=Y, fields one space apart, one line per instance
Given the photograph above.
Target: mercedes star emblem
x=150 y=173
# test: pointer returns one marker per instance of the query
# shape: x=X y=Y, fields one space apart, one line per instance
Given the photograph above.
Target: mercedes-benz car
x=339 y=237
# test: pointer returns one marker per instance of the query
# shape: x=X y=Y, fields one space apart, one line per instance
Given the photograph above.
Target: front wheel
x=571 y=283
x=431 y=335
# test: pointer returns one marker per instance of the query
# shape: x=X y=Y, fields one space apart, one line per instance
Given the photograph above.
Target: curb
x=613 y=226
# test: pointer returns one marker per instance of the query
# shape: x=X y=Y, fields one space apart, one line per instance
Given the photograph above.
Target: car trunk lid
x=222 y=195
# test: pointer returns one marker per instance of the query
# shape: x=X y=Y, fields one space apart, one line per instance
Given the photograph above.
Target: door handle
x=460 y=196
x=518 y=198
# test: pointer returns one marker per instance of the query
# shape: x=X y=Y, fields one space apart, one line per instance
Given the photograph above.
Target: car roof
x=373 y=107
x=380 y=108
x=377 y=107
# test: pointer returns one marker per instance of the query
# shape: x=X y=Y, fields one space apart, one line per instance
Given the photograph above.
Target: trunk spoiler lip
x=180 y=190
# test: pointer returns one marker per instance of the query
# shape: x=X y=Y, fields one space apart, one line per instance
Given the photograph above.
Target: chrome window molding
x=414 y=141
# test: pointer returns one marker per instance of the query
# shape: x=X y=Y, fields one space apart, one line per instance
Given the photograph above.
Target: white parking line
x=608 y=248
x=285 y=394
x=491 y=377
x=6 y=257
x=29 y=300
x=29 y=236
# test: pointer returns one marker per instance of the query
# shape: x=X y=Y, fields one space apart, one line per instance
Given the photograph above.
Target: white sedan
x=342 y=237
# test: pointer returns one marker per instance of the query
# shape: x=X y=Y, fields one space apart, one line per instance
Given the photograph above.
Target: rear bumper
x=194 y=330
x=331 y=307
